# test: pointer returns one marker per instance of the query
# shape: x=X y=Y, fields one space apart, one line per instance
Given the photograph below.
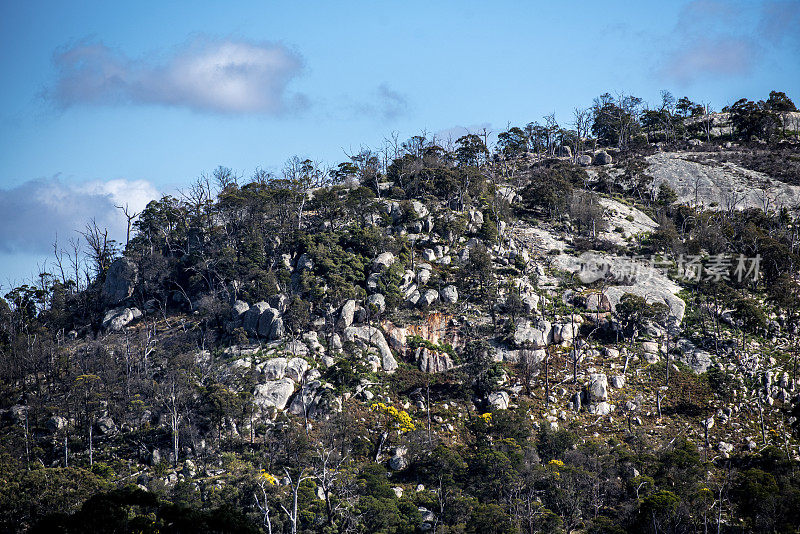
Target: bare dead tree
x=130 y=216
x=303 y=176
x=101 y=249
x=294 y=485
x=582 y=119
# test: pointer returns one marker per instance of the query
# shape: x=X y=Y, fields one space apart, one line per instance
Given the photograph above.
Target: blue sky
x=105 y=103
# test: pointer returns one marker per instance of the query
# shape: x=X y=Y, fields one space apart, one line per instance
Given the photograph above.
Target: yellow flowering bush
x=556 y=465
x=268 y=478
x=486 y=417
x=397 y=418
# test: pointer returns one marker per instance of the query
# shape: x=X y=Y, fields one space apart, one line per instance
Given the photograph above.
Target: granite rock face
x=121 y=279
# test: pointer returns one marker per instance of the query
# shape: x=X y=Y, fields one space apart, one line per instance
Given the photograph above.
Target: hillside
x=559 y=333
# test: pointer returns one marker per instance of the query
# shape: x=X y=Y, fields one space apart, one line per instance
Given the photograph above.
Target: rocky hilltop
x=567 y=335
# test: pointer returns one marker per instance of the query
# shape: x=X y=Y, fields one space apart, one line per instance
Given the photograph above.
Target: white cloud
x=383 y=103
x=725 y=56
x=780 y=21
x=33 y=213
x=711 y=39
x=391 y=104
x=227 y=76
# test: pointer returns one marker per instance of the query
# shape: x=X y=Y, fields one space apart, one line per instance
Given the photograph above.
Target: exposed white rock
x=266 y=323
x=383 y=261
x=601 y=408
x=424 y=274
x=117 y=319
x=238 y=309
x=56 y=423
x=650 y=347
x=274 y=369
x=121 y=278
x=449 y=294
x=718 y=185
x=628 y=276
x=372 y=281
x=105 y=425
x=433 y=362
x=428 y=255
x=315 y=400
x=296 y=369
x=273 y=393
x=603 y=158
x=498 y=400
x=251 y=317
x=419 y=209
x=370 y=335
x=377 y=301
x=597 y=388
x=305 y=262
x=428 y=297
x=631 y=220
x=537 y=333
x=346 y=314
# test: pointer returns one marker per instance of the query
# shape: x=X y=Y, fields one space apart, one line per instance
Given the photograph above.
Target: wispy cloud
x=383 y=103
x=32 y=213
x=780 y=21
x=713 y=38
x=208 y=75
x=391 y=104
x=722 y=56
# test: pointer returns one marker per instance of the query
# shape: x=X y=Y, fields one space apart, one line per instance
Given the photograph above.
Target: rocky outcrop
x=273 y=393
x=699 y=361
x=449 y=294
x=601 y=408
x=427 y=298
x=627 y=276
x=603 y=158
x=431 y=361
x=498 y=400
x=630 y=220
x=597 y=389
x=372 y=337
x=296 y=369
x=252 y=315
x=105 y=425
x=304 y=262
x=532 y=334
x=121 y=279
x=117 y=319
x=274 y=369
x=346 y=314
x=377 y=302
x=315 y=400
x=266 y=323
x=383 y=261
x=55 y=423
x=238 y=309
x=565 y=333
x=438 y=328
x=718 y=186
